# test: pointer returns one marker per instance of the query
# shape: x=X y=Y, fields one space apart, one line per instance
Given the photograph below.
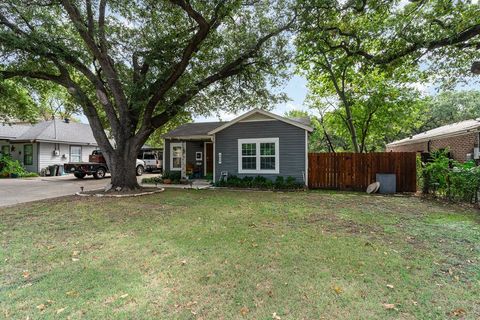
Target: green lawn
x=234 y=255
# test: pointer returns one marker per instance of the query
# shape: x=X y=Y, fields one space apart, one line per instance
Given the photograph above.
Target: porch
x=193 y=158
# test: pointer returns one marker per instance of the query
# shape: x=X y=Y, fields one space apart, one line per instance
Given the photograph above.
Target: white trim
x=306 y=158
x=258 y=156
x=265 y=113
x=175 y=144
x=198 y=158
x=214 y=157
x=163 y=157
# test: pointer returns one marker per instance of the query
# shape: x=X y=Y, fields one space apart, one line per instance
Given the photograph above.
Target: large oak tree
x=134 y=65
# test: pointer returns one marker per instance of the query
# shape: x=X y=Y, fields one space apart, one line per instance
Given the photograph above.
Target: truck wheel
x=80 y=175
x=100 y=173
x=140 y=170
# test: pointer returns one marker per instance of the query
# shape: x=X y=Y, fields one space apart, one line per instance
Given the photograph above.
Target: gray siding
x=191 y=147
x=166 y=158
x=291 y=145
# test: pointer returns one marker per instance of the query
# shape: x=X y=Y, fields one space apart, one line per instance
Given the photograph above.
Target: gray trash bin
x=388 y=182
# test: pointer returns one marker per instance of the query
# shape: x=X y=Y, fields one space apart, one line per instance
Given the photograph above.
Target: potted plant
x=166 y=177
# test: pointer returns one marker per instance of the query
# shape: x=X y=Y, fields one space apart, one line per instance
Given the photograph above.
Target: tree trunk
x=122 y=165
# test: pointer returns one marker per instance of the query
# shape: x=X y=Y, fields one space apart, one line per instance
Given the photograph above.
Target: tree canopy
x=140 y=64
x=363 y=58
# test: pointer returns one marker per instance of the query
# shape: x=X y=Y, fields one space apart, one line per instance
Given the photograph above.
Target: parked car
x=96 y=166
x=152 y=159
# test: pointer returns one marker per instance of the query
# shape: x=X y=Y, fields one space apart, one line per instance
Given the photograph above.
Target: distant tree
x=368 y=53
x=449 y=107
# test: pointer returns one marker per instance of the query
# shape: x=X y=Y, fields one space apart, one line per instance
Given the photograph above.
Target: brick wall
x=458 y=146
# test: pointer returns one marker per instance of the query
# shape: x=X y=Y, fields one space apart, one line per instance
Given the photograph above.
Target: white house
x=47 y=143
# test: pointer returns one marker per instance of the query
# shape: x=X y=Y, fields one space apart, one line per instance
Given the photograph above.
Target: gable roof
x=449 y=130
x=55 y=131
x=196 y=130
x=293 y=122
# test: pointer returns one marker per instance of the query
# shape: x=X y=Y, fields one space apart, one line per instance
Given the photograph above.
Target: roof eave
x=191 y=137
x=441 y=136
x=263 y=112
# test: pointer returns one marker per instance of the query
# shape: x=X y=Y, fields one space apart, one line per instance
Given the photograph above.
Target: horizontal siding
x=47 y=158
x=291 y=145
x=17 y=154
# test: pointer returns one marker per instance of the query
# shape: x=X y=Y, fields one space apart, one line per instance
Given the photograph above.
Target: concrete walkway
x=14 y=191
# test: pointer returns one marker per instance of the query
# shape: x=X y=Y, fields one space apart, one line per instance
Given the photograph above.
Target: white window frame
x=70 y=153
x=172 y=145
x=258 y=156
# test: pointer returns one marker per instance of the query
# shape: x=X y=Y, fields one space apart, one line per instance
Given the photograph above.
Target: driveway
x=13 y=191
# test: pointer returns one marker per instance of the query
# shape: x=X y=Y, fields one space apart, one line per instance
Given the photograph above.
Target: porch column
x=184 y=160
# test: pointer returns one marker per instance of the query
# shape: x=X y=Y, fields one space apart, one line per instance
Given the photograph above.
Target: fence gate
x=355 y=171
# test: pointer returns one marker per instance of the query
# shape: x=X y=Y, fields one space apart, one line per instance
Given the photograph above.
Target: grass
x=240 y=255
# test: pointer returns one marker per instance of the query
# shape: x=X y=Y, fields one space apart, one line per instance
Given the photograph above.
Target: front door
x=209 y=158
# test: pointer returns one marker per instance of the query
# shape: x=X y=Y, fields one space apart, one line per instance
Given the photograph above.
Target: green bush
x=452 y=180
x=152 y=180
x=260 y=182
x=13 y=168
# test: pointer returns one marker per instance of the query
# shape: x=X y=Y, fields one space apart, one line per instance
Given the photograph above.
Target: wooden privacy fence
x=355 y=171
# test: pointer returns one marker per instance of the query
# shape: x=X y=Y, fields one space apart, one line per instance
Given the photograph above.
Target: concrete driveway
x=13 y=191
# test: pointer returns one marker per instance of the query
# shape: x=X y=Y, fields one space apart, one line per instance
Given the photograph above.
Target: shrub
x=450 y=179
x=10 y=167
x=175 y=176
x=152 y=180
x=260 y=182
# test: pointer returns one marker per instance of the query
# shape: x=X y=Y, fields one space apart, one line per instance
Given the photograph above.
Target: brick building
x=461 y=139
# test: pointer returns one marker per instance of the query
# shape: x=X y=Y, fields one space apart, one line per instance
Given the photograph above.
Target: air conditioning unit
x=56 y=152
x=468 y=157
x=476 y=153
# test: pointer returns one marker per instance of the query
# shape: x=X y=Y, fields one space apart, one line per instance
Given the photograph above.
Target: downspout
x=428 y=146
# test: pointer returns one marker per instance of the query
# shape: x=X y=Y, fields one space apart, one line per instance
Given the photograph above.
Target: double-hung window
x=258 y=155
x=28 y=154
x=75 y=153
x=6 y=150
x=176 y=156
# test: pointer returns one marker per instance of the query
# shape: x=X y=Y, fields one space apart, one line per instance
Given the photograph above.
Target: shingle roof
x=444 y=131
x=11 y=131
x=193 y=129
x=52 y=131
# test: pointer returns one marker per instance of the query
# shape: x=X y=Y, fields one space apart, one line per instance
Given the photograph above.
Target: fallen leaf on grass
x=244 y=311
x=389 y=306
x=337 y=289
x=60 y=310
x=458 y=312
x=123 y=296
x=390 y=286
x=26 y=274
x=72 y=293
x=275 y=316
x=183 y=262
x=41 y=307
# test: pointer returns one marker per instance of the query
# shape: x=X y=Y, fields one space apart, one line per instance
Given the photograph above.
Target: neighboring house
x=47 y=143
x=461 y=139
x=256 y=143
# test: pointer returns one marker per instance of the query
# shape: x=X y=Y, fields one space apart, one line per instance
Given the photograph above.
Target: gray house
x=47 y=143
x=256 y=143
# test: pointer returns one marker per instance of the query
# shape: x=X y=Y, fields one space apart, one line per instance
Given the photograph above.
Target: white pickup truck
x=152 y=159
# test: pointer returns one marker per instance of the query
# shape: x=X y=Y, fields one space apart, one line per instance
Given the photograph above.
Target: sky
x=296 y=90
